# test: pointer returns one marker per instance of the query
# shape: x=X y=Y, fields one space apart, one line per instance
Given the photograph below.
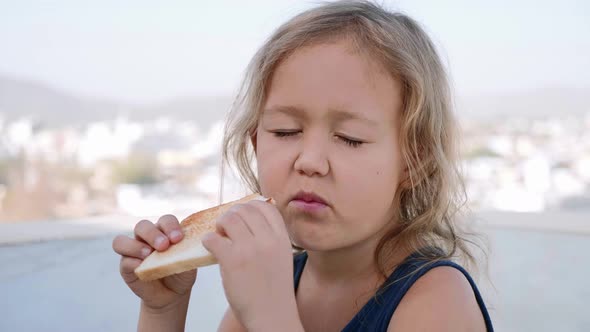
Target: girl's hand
x=163 y=294
x=254 y=252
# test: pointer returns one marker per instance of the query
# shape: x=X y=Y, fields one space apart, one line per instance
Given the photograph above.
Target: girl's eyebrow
x=337 y=115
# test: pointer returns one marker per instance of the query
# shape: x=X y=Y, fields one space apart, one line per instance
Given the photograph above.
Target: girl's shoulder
x=425 y=291
x=440 y=292
x=420 y=291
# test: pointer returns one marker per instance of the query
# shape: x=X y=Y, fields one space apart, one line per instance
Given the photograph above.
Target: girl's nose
x=312 y=158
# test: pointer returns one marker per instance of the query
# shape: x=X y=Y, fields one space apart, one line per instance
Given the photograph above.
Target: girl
x=348 y=114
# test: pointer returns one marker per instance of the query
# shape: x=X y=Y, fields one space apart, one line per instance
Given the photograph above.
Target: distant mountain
x=204 y=111
x=52 y=107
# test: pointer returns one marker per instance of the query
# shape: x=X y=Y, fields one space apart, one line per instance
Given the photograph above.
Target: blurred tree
x=137 y=169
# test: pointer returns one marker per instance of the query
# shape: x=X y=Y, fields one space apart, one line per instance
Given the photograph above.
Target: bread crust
x=189 y=253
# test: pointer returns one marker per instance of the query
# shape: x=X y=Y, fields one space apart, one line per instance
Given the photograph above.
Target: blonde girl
x=346 y=111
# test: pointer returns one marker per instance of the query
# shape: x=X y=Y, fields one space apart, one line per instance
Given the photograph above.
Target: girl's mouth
x=308 y=206
x=308 y=202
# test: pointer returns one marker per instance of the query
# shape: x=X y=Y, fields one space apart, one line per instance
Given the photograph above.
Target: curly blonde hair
x=433 y=194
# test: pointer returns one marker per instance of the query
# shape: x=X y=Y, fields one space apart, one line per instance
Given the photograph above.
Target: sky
x=152 y=51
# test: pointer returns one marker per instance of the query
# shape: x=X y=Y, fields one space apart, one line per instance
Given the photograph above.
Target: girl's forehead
x=334 y=114
x=333 y=80
x=336 y=53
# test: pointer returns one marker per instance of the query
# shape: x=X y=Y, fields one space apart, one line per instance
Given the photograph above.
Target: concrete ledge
x=92 y=227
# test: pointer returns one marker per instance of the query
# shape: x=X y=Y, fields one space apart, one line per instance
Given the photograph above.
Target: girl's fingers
x=255 y=220
x=233 y=225
x=273 y=217
x=145 y=230
x=125 y=246
x=219 y=246
x=171 y=227
x=127 y=268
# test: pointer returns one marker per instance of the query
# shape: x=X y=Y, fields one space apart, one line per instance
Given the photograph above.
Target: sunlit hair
x=429 y=200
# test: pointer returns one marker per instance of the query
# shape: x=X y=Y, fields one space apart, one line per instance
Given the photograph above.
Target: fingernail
x=146 y=252
x=159 y=241
x=175 y=235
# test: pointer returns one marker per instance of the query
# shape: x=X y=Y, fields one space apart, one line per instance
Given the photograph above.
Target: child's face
x=358 y=183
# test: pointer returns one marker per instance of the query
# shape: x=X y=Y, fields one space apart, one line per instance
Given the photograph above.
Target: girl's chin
x=314 y=243
x=307 y=243
x=315 y=236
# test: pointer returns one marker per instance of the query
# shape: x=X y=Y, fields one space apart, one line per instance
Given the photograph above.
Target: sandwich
x=189 y=253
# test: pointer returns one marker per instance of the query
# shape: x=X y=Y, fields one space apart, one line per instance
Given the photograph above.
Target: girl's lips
x=308 y=206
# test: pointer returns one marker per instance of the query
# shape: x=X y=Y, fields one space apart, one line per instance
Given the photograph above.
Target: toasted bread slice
x=189 y=253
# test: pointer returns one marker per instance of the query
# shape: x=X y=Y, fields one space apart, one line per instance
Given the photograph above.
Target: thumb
x=182 y=282
x=216 y=244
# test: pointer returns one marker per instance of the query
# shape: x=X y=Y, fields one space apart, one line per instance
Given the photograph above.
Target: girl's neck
x=351 y=264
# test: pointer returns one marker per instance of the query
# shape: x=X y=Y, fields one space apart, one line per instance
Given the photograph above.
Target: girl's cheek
x=268 y=172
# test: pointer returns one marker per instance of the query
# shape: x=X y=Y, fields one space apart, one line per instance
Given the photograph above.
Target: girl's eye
x=285 y=133
x=348 y=141
x=351 y=142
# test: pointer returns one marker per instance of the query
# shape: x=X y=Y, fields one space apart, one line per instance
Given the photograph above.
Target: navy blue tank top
x=377 y=312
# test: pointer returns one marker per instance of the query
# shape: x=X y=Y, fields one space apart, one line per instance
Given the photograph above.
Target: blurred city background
x=111 y=112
